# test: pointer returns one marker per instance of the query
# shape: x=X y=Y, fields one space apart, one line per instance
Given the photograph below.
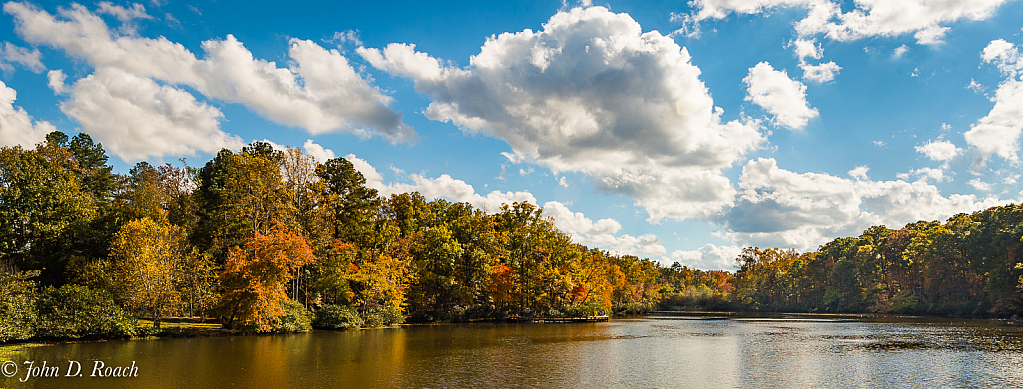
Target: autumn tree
x=146 y=256
x=239 y=194
x=255 y=277
x=197 y=283
x=538 y=252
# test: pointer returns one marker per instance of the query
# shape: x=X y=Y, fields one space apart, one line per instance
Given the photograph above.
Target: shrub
x=473 y=312
x=551 y=313
x=481 y=311
x=583 y=310
x=75 y=311
x=456 y=313
x=18 y=313
x=383 y=316
x=336 y=317
x=633 y=308
x=296 y=318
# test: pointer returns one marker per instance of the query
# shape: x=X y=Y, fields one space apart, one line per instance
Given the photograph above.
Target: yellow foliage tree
x=145 y=256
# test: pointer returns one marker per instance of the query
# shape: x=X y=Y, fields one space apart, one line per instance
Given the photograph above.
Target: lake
x=647 y=352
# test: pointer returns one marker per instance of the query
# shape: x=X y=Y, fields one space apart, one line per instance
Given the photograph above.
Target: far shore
x=197 y=328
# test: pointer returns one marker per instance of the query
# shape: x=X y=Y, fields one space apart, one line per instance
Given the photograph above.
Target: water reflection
x=665 y=351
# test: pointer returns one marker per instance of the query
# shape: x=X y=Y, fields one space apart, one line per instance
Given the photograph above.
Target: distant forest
x=270 y=240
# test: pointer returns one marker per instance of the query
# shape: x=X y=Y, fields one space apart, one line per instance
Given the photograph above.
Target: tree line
x=269 y=239
x=969 y=265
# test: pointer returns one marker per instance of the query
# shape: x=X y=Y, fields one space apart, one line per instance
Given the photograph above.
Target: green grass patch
x=181 y=325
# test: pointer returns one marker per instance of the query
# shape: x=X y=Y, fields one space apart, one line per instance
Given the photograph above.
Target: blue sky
x=679 y=132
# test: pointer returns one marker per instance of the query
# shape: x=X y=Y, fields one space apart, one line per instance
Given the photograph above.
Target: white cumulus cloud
x=320 y=91
x=777 y=207
x=925 y=19
x=939 y=150
x=55 y=80
x=1004 y=55
x=591 y=93
x=16 y=126
x=602 y=233
x=710 y=256
x=819 y=73
x=807 y=48
x=29 y=59
x=779 y=95
x=859 y=172
x=124 y=14
x=443 y=186
x=136 y=118
x=928 y=173
x=316 y=151
x=979 y=184
x=998 y=132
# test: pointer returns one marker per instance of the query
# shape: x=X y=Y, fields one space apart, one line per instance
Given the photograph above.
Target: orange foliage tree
x=256 y=277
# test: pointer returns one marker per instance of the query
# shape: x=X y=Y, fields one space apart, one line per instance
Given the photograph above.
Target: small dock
x=539 y=319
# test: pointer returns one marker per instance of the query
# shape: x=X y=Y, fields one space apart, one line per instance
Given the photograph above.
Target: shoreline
x=9 y=349
x=1006 y=321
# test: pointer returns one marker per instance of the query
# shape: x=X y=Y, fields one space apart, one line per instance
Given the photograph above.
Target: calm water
x=658 y=351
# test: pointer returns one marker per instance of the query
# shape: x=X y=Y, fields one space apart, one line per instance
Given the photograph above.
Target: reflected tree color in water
x=662 y=351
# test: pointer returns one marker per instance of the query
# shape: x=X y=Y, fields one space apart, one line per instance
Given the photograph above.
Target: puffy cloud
x=776 y=207
x=16 y=126
x=779 y=95
x=896 y=203
x=998 y=132
x=772 y=199
x=939 y=150
x=373 y=178
x=931 y=35
x=900 y=51
x=601 y=233
x=577 y=223
x=679 y=193
x=320 y=92
x=719 y=9
x=275 y=145
x=1004 y=55
x=938 y=175
x=441 y=187
x=647 y=245
x=317 y=152
x=924 y=18
x=136 y=118
x=980 y=185
x=11 y=54
x=819 y=73
x=136 y=11
x=859 y=172
x=807 y=48
x=55 y=80
x=591 y=93
x=708 y=257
